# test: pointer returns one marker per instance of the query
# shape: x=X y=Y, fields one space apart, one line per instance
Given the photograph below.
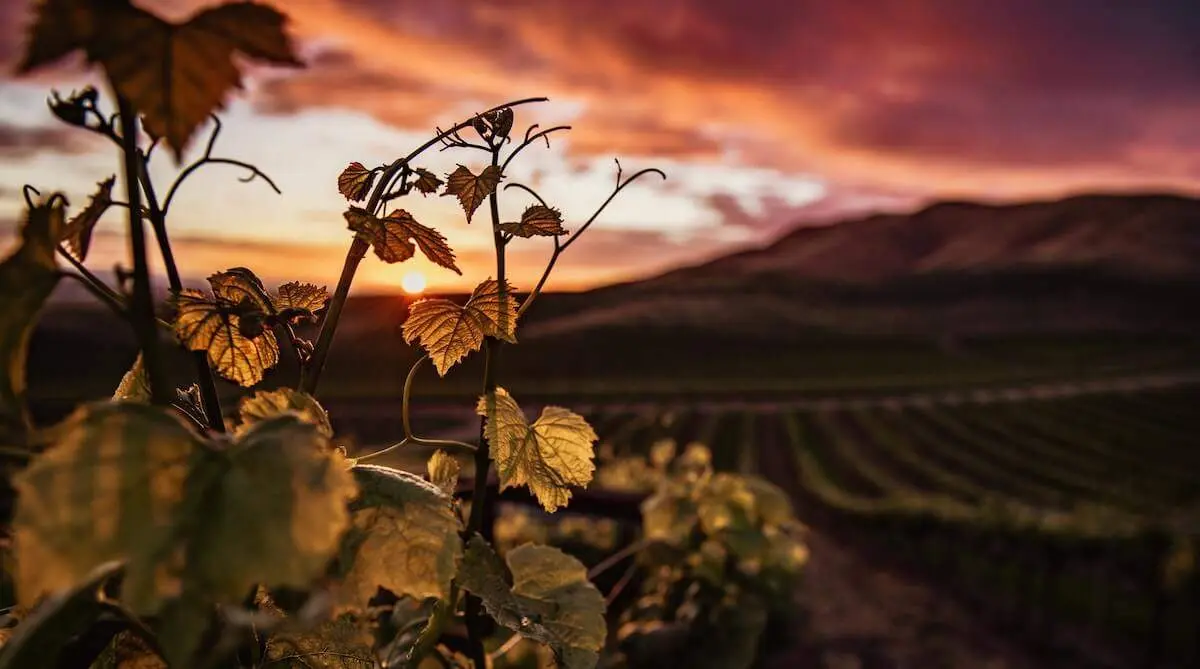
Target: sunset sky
x=763 y=113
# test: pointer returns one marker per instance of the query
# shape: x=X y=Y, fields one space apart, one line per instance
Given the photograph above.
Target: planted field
x=1069 y=522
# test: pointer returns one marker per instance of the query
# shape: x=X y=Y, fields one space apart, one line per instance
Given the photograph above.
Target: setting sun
x=413 y=282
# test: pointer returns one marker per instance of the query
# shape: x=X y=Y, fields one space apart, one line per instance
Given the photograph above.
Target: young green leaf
x=266 y=404
x=27 y=277
x=536 y=220
x=78 y=232
x=443 y=471
x=39 y=638
x=449 y=332
x=550 y=456
x=212 y=325
x=176 y=75
x=134 y=386
x=132 y=482
x=392 y=237
x=302 y=297
x=470 y=189
x=543 y=594
x=404 y=537
x=355 y=181
x=427 y=182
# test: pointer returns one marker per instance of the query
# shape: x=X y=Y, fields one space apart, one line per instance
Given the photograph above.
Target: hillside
x=1085 y=263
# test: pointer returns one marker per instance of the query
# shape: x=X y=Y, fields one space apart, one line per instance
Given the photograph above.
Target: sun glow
x=413 y=282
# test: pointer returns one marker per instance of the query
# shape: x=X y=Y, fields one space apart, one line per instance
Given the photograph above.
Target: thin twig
x=207 y=159
x=358 y=250
x=530 y=139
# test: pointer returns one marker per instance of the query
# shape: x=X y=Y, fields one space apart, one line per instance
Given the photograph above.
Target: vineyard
x=1066 y=523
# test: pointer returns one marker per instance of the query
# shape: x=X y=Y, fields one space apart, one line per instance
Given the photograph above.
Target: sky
x=764 y=114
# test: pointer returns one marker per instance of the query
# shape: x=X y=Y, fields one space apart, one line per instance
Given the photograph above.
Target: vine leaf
x=392 y=237
x=470 y=189
x=27 y=277
x=427 y=182
x=443 y=471
x=542 y=594
x=175 y=75
x=550 y=456
x=342 y=643
x=42 y=635
x=128 y=651
x=135 y=385
x=132 y=482
x=355 y=181
x=266 y=404
x=538 y=220
x=306 y=298
x=449 y=332
x=239 y=284
x=78 y=231
x=213 y=325
x=403 y=537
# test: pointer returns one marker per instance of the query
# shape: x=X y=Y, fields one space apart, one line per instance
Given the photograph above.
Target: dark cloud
x=17 y=142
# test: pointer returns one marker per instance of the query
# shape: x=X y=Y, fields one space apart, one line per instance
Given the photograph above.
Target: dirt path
x=865 y=616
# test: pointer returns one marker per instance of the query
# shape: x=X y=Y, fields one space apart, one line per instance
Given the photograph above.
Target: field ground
x=1062 y=520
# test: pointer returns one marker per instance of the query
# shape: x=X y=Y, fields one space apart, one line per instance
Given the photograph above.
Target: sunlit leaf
x=449 y=332
x=355 y=181
x=132 y=482
x=551 y=456
x=427 y=182
x=175 y=75
x=204 y=324
x=266 y=404
x=27 y=277
x=443 y=471
x=237 y=284
x=470 y=189
x=109 y=488
x=42 y=635
x=404 y=538
x=542 y=594
x=392 y=237
x=300 y=297
x=135 y=385
x=536 y=220
x=78 y=232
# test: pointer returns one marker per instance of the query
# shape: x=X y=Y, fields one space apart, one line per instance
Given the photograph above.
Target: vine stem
x=210 y=401
x=358 y=250
x=141 y=309
x=477 y=622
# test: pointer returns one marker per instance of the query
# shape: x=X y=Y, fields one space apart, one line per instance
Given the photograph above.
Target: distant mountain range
x=1109 y=262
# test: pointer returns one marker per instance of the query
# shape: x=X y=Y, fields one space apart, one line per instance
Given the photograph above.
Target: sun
x=413 y=282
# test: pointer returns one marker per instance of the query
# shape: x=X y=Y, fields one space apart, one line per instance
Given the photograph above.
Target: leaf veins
x=538 y=220
x=175 y=75
x=392 y=237
x=305 y=298
x=78 y=231
x=550 y=456
x=470 y=189
x=404 y=537
x=212 y=325
x=266 y=404
x=449 y=332
x=427 y=182
x=355 y=181
x=443 y=471
x=542 y=594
